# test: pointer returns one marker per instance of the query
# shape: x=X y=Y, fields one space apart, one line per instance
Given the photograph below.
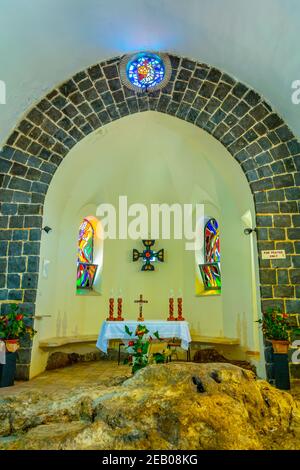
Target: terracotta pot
x=12 y=345
x=280 y=346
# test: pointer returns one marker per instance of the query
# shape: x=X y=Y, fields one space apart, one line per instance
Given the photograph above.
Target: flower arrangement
x=138 y=349
x=275 y=325
x=14 y=326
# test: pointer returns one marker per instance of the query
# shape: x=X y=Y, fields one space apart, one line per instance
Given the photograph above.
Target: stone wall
x=236 y=115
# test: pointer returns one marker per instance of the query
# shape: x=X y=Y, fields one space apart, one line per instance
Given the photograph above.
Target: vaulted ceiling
x=43 y=42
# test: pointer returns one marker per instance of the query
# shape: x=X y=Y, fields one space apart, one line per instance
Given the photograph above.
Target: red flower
x=131 y=343
x=19 y=317
x=139 y=350
x=285 y=315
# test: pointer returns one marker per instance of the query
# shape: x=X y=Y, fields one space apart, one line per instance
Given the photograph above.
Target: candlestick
x=111 y=309
x=119 y=317
x=179 y=309
x=171 y=309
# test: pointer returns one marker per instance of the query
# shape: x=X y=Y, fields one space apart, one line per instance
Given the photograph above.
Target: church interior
x=149 y=225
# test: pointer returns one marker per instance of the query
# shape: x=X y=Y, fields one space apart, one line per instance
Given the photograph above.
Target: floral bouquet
x=139 y=348
x=14 y=326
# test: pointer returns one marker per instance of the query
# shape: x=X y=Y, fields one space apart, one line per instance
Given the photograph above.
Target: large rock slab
x=168 y=406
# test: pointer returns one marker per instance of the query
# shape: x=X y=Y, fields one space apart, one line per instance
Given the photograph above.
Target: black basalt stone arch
x=236 y=115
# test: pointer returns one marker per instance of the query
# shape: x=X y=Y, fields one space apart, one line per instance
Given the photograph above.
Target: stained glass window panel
x=211 y=276
x=85 y=242
x=146 y=70
x=85 y=275
x=212 y=242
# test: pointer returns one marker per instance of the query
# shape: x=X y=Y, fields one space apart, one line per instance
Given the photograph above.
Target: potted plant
x=275 y=326
x=14 y=326
x=139 y=348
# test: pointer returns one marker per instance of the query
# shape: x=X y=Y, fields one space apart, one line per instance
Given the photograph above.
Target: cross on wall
x=141 y=301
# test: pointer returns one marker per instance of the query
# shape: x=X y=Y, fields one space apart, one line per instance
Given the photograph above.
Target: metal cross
x=141 y=301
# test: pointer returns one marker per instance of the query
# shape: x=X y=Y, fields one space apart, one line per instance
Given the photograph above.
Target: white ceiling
x=43 y=42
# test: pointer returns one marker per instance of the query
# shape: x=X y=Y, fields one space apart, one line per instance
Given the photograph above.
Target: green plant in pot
x=275 y=326
x=139 y=348
x=14 y=326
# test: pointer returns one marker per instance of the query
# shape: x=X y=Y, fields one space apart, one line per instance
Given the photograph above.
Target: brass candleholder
x=111 y=309
x=179 y=309
x=119 y=317
x=171 y=310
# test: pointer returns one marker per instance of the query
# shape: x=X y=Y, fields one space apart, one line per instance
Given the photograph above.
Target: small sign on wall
x=273 y=254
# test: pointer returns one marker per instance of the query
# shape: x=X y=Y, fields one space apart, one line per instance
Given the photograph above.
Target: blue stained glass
x=146 y=70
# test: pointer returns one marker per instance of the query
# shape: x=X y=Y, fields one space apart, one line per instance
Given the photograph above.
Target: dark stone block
x=15 y=248
x=113 y=112
x=35 y=116
x=262 y=233
x=288 y=247
x=218 y=116
x=295 y=261
x=187 y=64
x=212 y=105
x=29 y=281
x=183 y=110
x=238 y=145
x=3 y=248
x=19 y=196
x=252 y=98
x=206 y=89
x=16 y=221
x=267 y=276
x=13 y=281
x=282 y=276
x=111 y=71
x=3 y=294
x=281 y=263
x=33 y=264
x=33 y=174
x=5 y=165
x=35 y=235
x=260 y=197
x=192 y=115
x=33 y=221
x=30 y=295
x=199 y=103
x=272 y=121
x=266 y=292
x=292 y=306
x=95 y=72
x=283 y=181
x=250 y=136
x=31 y=248
x=276 y=195
x=20 y=234
x=263 y=184
x=201 y=72
x=184 y=74
x=5 y=234
x=279 y=152
x=8 y=208
x=114 y=84
x=259 y=112
x=195 y=84
x=264 y=220
x=286 y=207
x=264 y=143
x=277 y=234
x=202 y=119
x=284 y=291
x=267 y=208
x=229 y=102
x=231 y=120
x=24 y=355
x=292 y=194
x=180 y=85
x=273 y=303
x=294 y=276
x=20 y=184
x=38 y=187
x=293 y=233
x=17 y=264
x=87 y=129
x=68 y=87
x=284 y=133
x=16 y=295
x=2 y=280
x=101 y=85
x=239 y=90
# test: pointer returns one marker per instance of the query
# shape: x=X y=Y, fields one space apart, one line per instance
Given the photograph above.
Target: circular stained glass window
x=145 y=71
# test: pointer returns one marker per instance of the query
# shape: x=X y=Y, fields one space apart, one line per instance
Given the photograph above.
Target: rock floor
x=94 y=406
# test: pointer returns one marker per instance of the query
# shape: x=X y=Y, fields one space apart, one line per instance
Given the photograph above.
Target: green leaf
x=128 y=330
x=156 y=334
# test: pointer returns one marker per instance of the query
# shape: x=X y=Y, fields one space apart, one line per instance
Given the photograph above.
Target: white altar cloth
x=166 y=329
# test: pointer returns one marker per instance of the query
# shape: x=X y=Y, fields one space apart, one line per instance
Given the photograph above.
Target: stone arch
x=236 y=115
